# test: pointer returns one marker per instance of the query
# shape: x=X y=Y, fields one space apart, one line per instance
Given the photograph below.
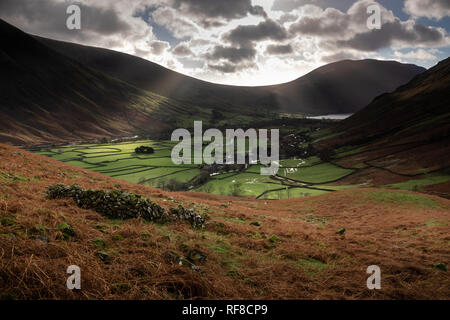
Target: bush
x=144 y=150
x=118 y=204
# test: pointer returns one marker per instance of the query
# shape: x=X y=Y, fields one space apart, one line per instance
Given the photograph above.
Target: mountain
x=47 y=96
x=59 y=92
x=404 y=133
x=341 y=87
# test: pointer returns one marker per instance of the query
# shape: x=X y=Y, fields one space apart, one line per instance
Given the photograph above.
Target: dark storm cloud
x=234 y=55
x=266 y=30
x=279 y=49
x=393 y=32
x=47 y=17
x=228 y=9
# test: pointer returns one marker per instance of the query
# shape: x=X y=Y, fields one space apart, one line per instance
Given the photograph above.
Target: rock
x=255 y=223
x=117 y=204
x=7 y=221
x=104 y=256
x=172 y=257
x=120 y=287
x=196 y=256
x=66 y=230
x=99 y=243
x=274 y=239
x=440 y=266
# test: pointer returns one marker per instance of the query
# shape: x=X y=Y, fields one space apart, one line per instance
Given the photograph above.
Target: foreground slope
x=295 y=252
x=341 y=87
x=404 y=134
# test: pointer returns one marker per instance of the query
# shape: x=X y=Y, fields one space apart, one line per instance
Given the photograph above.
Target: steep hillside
x=341 y=87
x=305 y=248
x=48 y=97
x=402 y=133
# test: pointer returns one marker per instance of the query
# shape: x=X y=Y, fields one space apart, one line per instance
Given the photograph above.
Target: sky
x=246 y=42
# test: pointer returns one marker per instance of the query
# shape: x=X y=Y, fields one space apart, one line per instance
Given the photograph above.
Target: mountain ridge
x=305 y=94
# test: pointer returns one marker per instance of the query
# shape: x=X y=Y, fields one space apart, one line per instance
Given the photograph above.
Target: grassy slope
x=295 y=253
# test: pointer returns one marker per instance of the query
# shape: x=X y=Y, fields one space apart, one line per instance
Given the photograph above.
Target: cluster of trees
x=144 y=150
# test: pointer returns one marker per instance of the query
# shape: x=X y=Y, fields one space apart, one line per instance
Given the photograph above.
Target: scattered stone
x=117 y=237
x=99 y=243
x=7 y=221
x=440 y=266
x=274 y=239
x=104 y=256
x=181 y=213
x=42 y=239
x=196 y=256
x=120 y=287
x=117 y=204
x=172 y=257
x=66 y=230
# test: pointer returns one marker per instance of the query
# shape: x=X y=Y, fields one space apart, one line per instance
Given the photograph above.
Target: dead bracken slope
x=254 y=249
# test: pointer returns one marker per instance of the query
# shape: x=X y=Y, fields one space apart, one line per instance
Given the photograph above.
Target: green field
x=118 y=160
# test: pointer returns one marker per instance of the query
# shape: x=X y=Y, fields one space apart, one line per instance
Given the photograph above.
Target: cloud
x=266 y=30
x=226 y=67
x=339 y=56
x=102 y=24
x=228 y=9
x=419 y=54
x=179 y=26
x=241 y=41
x=395 y=33
x=433 y=9
x=331 y=22
x=182 y=50
x=50 y=17
x=158 y=47
x=336 y=29
x=234 y=55
x=289 y=5
x=279 y=49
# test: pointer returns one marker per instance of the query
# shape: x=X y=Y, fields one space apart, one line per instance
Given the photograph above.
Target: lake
x=332 y=116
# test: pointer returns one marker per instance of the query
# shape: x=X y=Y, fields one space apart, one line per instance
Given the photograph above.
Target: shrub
x=144 y=150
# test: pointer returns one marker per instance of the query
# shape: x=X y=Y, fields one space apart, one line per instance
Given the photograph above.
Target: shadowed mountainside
x=417 y=110
x=47 y=96
x=402 y=133
x=74 y=93
x=341 y=87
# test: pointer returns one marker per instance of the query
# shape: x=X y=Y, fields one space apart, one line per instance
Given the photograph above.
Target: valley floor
x=316 y=247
